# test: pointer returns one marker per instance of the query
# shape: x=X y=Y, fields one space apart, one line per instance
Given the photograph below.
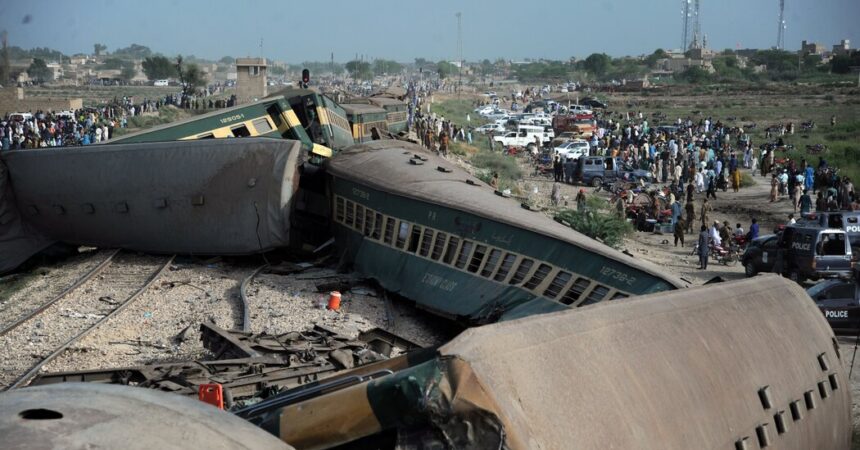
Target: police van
x=812 y=252
x=845 y=220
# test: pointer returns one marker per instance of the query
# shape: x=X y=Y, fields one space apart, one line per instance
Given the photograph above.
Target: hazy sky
x=296 y=31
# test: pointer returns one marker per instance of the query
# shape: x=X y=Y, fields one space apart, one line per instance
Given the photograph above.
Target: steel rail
x=243 y=296
x=24 y=379
x=86 y=277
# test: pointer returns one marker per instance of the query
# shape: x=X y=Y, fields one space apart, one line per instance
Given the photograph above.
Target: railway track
x=19 y=312
x=40 y=336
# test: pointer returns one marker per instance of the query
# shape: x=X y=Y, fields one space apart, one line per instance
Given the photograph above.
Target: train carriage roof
x=384 y=165
x=357 y=108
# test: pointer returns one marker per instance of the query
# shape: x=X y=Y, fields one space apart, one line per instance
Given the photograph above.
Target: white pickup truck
x=525 y=137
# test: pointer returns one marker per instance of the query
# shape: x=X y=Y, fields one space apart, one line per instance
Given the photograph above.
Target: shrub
x=596 y=223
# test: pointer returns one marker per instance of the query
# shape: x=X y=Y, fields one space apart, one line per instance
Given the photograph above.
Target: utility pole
x=780 y=35
x=459 y=53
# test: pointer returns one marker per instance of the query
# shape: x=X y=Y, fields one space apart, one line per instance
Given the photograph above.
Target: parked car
x=573 y=149
x=593 y=103
x=839 y=301
x=160 y=83
x=844 y=220
x=760 y=255
x=490 y=128
x=20 y=117
x=595 y=170
x=497 y=114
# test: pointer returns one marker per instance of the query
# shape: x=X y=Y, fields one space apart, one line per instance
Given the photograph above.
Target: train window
x=402 y=234
x=463 y=256
x=262 y=125
x=368 y=221
x=275 y=114
x=438 y=246
x=240 y=131
x=453 y=243
x=542 y=271
x=359 y=217
x=377 y=226
x=558 y=283
x=506 y=266
x=575 y=291
x=413 y=241
x=477 y=258
x=339 y=209
x=522 y=270
x=492 y=262
x=206 y=136
x=389 y=230
x=426 y=242
x=596 y=295
x=618 y=295
x=350 y=213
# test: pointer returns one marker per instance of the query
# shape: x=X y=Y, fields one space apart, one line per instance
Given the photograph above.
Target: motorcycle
x=728 y=256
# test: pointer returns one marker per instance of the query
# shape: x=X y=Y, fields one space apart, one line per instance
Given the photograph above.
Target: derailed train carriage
x=436 y=235
x=743 y=365
x=213 y=196
x=369 y=122
x=323 y=119
x=269 y=117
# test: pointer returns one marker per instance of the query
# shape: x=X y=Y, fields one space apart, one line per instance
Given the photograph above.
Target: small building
x=250 y=79
x=811 y=48
x=842 y=48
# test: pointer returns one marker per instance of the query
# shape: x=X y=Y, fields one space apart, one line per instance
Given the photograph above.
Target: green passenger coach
x=396 y=112
x=270 y=117
x=440 y=237
x=368 y=122
x=323 y=119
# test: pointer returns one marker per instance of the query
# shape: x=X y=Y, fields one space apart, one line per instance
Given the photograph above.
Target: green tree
x=39 y=71
x=277 y=70
x=158 y=68
x=360 y=70
x=127 y=73
x=136 y=51
x=695 y=74
x=445 y=69
x=651 y=60
x=384 y=66
x=190 y=76
x=227 y=60
x=113 y=64
x=98 y=49
x=843 y=63
x=597 y=64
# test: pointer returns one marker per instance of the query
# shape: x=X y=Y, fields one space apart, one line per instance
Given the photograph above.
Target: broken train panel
x=745 y=364
x=202 y=197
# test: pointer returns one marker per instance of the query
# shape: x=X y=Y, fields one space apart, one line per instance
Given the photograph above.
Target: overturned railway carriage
x=436 y=235
x=200 y=197
x=270 y=117
x=396 y=112
x=322 y=118
x=738 y=365
x=368 y=122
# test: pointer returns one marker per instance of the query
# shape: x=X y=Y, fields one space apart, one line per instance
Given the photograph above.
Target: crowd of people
x=93 y=125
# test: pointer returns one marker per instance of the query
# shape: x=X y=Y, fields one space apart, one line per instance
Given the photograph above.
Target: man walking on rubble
x=691 y=215
x=704 y=212
x=704 y=243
